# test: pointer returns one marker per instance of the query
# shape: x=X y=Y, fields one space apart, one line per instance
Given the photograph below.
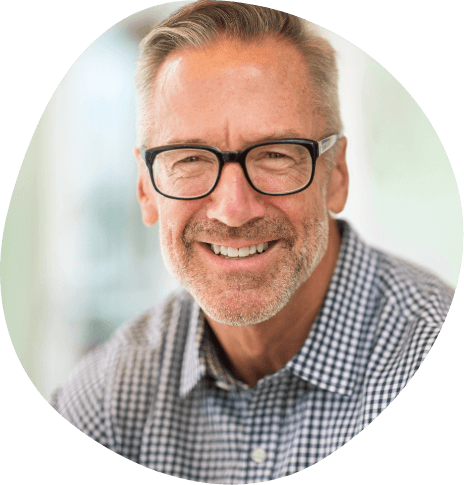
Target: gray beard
x=283 y=280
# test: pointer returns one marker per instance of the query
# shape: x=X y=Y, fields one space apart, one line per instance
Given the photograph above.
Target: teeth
x=239 y=252
x=232 y=252
x=243 y=252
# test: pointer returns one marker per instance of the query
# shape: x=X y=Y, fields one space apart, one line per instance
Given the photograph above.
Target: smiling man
x=291 y=335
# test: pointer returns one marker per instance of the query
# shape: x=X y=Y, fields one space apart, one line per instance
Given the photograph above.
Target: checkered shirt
x=159 y=394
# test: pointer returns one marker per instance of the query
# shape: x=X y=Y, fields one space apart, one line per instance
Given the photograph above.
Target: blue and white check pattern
x=158 y=393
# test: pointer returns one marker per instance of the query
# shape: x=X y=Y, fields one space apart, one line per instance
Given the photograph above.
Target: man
x=291 y=334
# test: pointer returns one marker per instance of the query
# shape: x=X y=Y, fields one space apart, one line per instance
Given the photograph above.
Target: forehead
x=232 y=89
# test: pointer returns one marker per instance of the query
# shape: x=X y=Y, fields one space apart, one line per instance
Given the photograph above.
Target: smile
x=239 y=253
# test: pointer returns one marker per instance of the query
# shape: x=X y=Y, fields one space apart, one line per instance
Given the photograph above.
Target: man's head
x=239 y=83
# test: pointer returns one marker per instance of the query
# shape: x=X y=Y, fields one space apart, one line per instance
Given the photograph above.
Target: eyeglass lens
x=275 y=169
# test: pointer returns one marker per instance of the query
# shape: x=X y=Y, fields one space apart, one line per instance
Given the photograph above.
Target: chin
x=248 y=313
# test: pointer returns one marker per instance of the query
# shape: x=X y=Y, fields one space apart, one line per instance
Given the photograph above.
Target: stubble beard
x=246 y=298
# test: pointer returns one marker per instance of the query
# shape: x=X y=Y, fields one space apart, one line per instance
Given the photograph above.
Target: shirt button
x=258 y=455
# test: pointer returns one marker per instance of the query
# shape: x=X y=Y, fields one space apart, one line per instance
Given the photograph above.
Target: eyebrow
x=281 y=135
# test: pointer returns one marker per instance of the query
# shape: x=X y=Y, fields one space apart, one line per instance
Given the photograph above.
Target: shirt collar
x=200 y=356
x=334 y=351
x=193 y=367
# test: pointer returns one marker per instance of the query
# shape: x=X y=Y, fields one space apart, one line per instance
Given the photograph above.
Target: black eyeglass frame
x=315 y=148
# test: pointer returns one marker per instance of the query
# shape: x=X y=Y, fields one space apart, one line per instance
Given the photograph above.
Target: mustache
x=272 y=228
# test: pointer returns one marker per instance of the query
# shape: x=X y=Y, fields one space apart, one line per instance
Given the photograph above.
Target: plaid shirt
x=158 y=394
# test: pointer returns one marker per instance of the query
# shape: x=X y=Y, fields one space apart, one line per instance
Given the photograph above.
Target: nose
x=234 y=202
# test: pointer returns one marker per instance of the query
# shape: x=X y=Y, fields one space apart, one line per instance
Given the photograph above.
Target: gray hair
x=200 y=23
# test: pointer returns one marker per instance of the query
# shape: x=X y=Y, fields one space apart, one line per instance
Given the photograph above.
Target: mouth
x=228 y=252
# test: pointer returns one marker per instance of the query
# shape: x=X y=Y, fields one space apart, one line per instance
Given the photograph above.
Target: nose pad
x=234 y=202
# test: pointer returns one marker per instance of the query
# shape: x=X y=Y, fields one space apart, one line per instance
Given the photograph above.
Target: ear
x=145 y=193
x=338 y=180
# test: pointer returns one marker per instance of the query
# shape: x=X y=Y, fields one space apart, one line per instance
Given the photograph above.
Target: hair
x=201 y=23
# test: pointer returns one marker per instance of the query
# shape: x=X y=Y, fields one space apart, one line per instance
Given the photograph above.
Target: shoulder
x=130 y=358
x=415 y=293
x=405 y=311
x=410 y=307
x=402 y=306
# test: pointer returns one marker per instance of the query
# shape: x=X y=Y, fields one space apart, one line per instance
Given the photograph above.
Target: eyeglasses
x=280 y=167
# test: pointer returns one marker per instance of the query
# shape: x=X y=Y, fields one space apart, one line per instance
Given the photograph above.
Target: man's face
x=229 y=96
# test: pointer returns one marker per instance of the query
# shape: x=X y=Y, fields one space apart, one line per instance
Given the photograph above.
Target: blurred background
x=77 y=262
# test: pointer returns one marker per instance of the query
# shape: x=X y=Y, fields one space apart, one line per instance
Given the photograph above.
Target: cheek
x=304 y=206
x=174 y=215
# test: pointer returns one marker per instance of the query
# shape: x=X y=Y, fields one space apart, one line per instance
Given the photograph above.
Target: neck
x=254 y=351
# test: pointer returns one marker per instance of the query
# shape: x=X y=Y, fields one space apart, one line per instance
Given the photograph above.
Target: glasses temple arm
x=327 y=143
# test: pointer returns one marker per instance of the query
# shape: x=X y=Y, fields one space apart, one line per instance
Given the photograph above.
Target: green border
x=418 y=439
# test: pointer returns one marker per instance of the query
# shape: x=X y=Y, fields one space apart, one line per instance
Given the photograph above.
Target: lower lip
x=254 y=263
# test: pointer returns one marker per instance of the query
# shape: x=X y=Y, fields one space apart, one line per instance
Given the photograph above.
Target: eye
x=275 y=155
x=192 y=158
